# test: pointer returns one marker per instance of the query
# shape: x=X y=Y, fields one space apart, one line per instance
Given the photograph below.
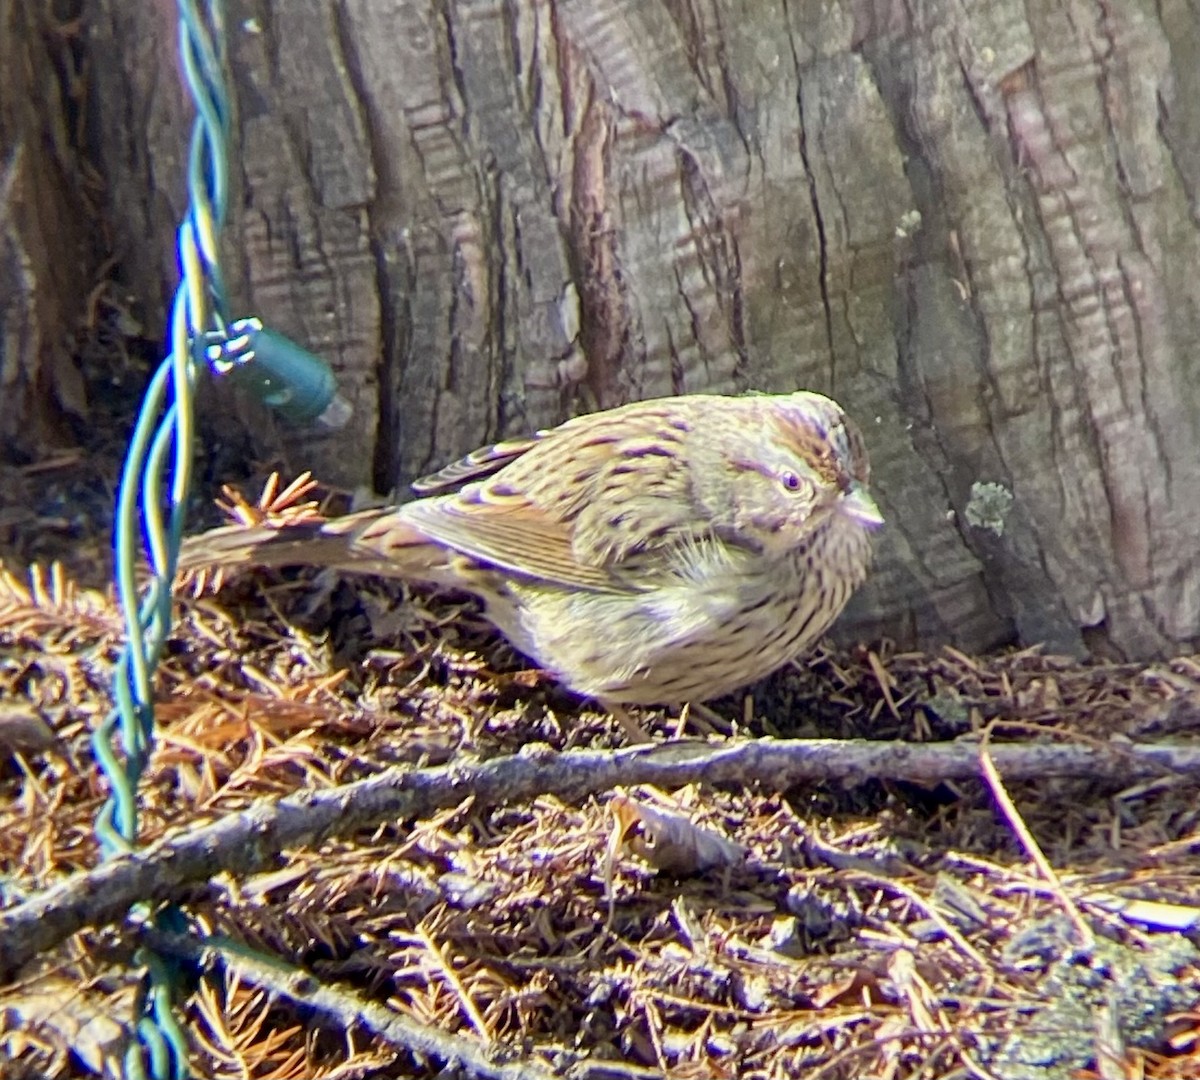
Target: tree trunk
x=974 y=224
x=47 y=252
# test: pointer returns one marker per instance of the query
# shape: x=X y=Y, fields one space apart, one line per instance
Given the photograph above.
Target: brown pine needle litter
x=1000 y=923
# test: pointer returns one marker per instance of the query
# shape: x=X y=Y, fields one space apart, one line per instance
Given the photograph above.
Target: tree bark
x=47 y=251
x=973 y=223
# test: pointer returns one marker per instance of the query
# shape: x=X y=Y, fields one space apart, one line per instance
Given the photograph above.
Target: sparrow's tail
x=339 y=543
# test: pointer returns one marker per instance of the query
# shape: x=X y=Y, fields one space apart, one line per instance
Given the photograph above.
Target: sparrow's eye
x=790 y=481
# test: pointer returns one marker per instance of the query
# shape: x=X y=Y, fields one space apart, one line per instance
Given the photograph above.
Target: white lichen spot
x=910 y=222
x=568 y=311
x=1095 y=613
x=988 y=507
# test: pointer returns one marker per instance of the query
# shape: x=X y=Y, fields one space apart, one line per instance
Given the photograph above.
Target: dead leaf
x=669 y=841
x=23 y=728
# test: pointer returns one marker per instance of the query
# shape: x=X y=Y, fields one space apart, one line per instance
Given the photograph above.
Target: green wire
x=163 y=438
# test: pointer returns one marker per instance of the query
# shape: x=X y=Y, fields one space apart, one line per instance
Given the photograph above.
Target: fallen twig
x=1032 y=848
x=349 y=1010
x=249 y=842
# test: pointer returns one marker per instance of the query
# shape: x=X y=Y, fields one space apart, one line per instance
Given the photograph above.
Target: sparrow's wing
x=578 y=504
x=477 y=465
x=521 y=540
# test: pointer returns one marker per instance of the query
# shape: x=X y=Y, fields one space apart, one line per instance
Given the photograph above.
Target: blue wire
x=163 y=438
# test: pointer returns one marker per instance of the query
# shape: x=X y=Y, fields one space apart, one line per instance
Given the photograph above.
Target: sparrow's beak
x=858 y=504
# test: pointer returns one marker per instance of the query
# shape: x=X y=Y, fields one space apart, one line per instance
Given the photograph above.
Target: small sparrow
x=659 y=553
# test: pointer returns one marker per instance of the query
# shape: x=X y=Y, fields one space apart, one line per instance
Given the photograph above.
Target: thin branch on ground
x=348 y=1010
x=249 y=842
x=1012 y=815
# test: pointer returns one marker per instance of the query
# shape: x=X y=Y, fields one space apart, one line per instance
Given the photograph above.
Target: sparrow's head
x=788 y=465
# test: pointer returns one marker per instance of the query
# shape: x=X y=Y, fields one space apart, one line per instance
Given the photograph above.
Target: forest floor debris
x=882 y=929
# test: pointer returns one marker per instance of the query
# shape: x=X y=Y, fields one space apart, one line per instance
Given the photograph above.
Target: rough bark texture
x=45 y=253
x=974 y=222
